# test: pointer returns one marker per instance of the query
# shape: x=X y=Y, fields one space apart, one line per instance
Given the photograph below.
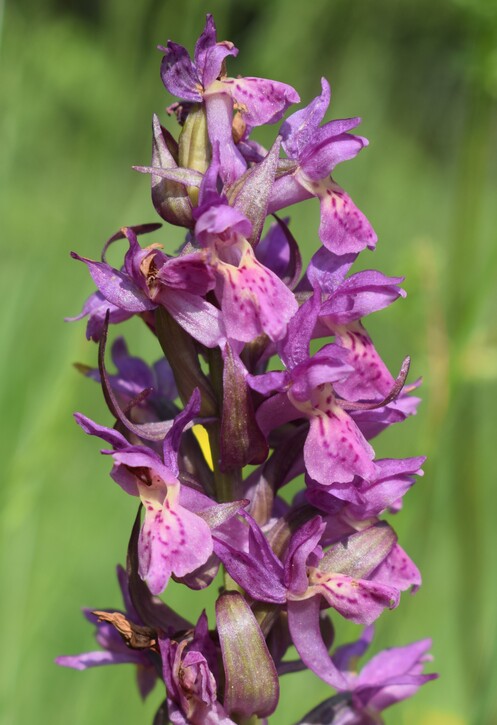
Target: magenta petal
x=303 y=621
x=395 y=674
x=178 y=73
x=300 y=128
x=220 y=221
x=209 y=54
x=110 y=435
x=206 y=40
x=294 y=349
x=188 y=272
x=276 y=381
x=262 y=100
x=94 y=659
x=394 y=479
x=116 y=286
x=172 y=541
x=214 y=58
x=258 y=571
x=219 y=109
x=321 y=158
x=329 y=365
x=359 y=600
x=360 y=295
x=398 y=570
x=96 y=308
x=372 y=422
x=370 y=378
x=399 y=689
x=395 y=661
x=172 y=440
x=343 y=229
x=302 y=544
x=333 y=130
x=335 y=450
x=326 y=271
x=142 y=457
x=254 y=300
x=198 y=317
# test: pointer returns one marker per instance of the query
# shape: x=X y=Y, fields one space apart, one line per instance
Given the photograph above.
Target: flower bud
x=194 y=146
x=169 y=197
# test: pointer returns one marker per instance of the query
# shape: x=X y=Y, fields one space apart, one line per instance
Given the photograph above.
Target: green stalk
x=227 y=484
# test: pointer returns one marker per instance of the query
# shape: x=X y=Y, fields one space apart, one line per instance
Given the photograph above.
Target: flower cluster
x=236 y=316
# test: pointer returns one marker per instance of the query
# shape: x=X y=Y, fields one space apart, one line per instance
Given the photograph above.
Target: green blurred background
x=79 y=81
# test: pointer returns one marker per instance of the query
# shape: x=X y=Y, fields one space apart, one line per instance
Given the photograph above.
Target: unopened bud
x=194 y=146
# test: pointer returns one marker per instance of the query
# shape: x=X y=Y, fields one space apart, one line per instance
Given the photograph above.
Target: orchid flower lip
x=394 y=393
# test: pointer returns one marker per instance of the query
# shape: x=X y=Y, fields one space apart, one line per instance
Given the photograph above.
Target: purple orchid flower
x=363 y=500
x=257 y=100
x=346 y=578
x=389 y=677
x=188 y=668
x=149 y=278
x=134 y=377
x=316 y=151
x=96 y=308
x=114 y=650
x=253 y=299
x=173 y=539
x=335 y=449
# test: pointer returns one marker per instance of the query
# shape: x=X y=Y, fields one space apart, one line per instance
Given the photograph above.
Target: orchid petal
x=360 y=295
x=298 y=130
x=260 y=100
x=335 y=449
x=254 y=300
x=303 y=621
x=198 y=317
x=178 y=73
x=360 y=600
x=398 y=570
x=209 y=55
x=116 y=286
x=343 y=229
x=173 y=438
x=319 y=160
x=219 y=110
x=172 y=540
